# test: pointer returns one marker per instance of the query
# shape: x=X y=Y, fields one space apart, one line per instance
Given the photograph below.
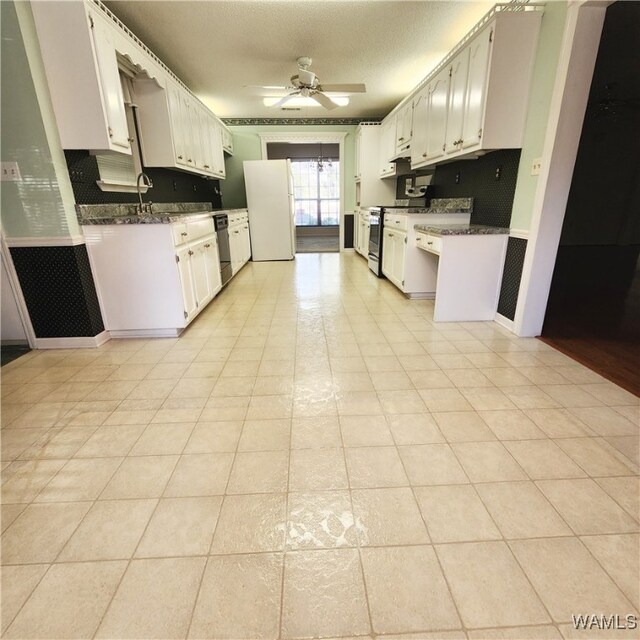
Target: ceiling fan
x=307 y=85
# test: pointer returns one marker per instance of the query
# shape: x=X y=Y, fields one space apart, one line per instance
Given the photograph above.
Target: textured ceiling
x=217 y=47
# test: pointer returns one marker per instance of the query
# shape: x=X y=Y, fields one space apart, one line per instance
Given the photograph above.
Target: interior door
x=479 y=56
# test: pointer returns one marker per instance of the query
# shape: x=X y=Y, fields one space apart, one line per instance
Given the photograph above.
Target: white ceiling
x=218 y=46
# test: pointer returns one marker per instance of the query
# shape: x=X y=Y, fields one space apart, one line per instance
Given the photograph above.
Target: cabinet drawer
x=189 y=231
x=429 y=243
x=392 y=221
x=180 y=233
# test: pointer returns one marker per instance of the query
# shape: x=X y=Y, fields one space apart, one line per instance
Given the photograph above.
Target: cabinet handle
x=236 y=232
x=429 y=242
x=206 y=166
x=131 y=140
x=424 y=155
x=110 y=132
x=190 y=252
x=206 y=246
x=183 y=233
x=397 y=221
x=479 y=133
x=180 y=158
x=400 y=139
x=189 y=160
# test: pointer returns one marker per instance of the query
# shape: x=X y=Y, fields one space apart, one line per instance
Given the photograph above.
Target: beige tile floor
x=315 y=457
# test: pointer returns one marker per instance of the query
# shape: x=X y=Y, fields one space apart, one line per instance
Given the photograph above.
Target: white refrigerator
x=269 y=187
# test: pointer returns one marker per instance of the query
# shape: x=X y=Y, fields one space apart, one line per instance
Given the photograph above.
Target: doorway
x=593 y=312
x=315 y=168
x=317 y=165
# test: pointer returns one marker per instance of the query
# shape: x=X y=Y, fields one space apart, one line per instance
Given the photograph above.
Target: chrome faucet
x=143 y=208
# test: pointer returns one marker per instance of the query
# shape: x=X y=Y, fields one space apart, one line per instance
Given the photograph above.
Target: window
x=316 y=193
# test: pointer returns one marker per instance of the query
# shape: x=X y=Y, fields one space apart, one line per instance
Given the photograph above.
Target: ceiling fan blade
x=284 y=100
x=344 y=88
x=265 y=86
x=325 y=101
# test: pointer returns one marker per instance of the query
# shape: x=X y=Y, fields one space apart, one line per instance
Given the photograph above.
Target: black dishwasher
x=221 y=221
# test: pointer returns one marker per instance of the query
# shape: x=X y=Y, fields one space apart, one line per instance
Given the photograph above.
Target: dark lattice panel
x=58 y=288
x=511 y=276
x=493 y=198
x=168 y=185
x=349 y=221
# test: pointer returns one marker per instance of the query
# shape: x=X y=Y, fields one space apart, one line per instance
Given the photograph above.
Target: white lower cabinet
x=362 y=235
x=153 y=279
x=403 y=263
x=239 y=240
x=469 y=274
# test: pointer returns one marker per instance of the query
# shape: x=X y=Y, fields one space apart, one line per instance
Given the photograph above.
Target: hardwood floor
x=593 y=313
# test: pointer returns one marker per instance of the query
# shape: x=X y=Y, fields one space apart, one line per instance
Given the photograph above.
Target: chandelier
x=321 y=161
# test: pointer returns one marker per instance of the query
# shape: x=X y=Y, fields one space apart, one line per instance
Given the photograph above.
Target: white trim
x=576 y=63
x=311 y=137
x=146 y=333
x=82 y=342
x=519 y=233
x=503 y=321
x=17 y=292
x=120 y=187
x=46 y=241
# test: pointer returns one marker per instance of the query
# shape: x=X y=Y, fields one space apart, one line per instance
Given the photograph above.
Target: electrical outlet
x=10 y=172
x=458 y=178
x=498 y=172
x=536 y=166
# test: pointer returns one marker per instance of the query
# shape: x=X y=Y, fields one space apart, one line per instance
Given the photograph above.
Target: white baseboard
x=420 y=296
x=46 y=241
x=146 y=333
x=503 y=321
x=83 y=342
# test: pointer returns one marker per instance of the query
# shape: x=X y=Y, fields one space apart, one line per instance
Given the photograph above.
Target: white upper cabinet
x=81 y=43
x=387 y=148
x=458 y=72
x=370 y=190
x=420 y=124
x=476 y=100
x=83 y=77
x=404 y=128
x=476 y=89
x=227 y=141
x=437 y=108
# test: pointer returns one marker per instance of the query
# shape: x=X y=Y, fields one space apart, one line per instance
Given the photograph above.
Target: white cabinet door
x=437 y=98
x=457 y=100
x=246 y=243
x=110 y=84
x=217 y=150
x=399 y=250
x=227 y=140
x=235 y=248
x=420 y=126
x=199 y=268
x=387 y=146
x=177 y=123
x=388 y=250
x=365 y=243
x=185 y=269
x=479 y=55
x=404 y=126
x=212 y=265
x=358 y=144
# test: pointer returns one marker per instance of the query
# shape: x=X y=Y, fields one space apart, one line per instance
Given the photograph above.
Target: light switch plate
x=535 y=167
x=10 y=171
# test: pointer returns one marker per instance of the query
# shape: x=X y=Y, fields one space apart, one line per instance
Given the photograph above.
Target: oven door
x=375 y=242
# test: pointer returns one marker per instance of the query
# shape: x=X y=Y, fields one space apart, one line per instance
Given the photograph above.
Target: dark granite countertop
x=437 y=206
x=460 y=229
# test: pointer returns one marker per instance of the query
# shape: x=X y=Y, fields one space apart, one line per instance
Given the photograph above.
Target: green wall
x=42 y=203
x=247 y=146
x=543 y=79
